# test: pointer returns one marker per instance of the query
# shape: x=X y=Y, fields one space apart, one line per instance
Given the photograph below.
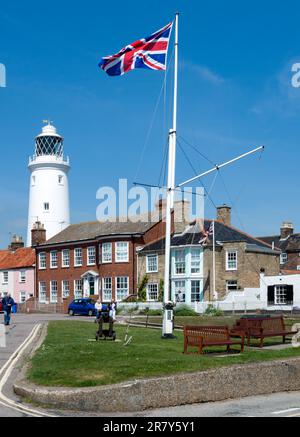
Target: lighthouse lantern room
x=49 y=186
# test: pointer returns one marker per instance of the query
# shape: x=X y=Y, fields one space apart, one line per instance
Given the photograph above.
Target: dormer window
x=283 y=258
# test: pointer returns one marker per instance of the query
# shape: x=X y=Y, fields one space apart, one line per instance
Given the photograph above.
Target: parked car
x=82 y=307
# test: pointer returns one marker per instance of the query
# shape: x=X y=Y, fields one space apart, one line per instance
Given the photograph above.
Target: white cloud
x=203 y=72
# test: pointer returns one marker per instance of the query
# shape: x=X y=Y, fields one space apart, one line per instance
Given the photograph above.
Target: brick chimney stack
x=16 y=243
x=224 y=214
x=286 y=230
x=38 y=234
x=182 y=216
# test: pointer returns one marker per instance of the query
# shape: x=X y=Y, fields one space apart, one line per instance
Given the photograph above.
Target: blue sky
x=234 y=93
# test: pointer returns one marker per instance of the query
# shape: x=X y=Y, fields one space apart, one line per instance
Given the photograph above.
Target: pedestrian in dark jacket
x=7 y=303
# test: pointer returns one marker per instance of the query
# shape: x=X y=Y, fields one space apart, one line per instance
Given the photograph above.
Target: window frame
x=151 y=284
x=122 y=288
x=88 y=255
x=282 y=296
x=182 y=263
x=156 y=263
x=103 y=253
x=105 y=289
x=228 y=290
x=76 y=290
x=117 y=252
x=44 y=291
x=228 y=253
x=193 y=251
x=193 y=299
x=63 y=258
x=55 y=265
x=5 y=274
x=22 y=276
x=44 y=267
x=63 y=291
x=285 y=256
x=76 y=257
x=23 y=294
x=51 y=291
x=181 y=287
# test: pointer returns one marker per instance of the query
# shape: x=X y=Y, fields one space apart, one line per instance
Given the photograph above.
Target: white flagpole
x=214 y=262
x=168 y=312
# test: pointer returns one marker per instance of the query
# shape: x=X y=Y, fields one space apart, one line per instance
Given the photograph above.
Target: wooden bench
x=261 y=328
x=204 y=336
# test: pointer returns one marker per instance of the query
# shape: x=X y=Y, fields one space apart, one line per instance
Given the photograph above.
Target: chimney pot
x=38 y=234
x=286 y=230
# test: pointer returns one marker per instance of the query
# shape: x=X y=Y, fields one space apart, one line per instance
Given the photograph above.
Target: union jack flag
x=149 y=53
x=207 y=233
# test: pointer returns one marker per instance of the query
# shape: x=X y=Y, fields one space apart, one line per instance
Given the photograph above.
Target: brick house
x=92 y=259
x=288 y=243
x=240 y=259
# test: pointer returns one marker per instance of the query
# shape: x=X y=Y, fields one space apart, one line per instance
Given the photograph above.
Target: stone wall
x=248 y=270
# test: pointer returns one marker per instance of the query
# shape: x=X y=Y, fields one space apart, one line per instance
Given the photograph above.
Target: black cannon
x=103 y=317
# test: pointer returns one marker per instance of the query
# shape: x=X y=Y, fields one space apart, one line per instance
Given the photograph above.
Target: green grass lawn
x=203 y=320
x=191 y=320
x=67 y=357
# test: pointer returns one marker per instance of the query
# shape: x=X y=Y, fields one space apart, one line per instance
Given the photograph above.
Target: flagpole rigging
x=168 y=311
x=218 y=167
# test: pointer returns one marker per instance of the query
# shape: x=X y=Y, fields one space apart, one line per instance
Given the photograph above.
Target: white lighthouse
x=49 y=186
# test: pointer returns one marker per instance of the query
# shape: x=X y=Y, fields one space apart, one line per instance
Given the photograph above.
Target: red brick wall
x=157 y=231
x=72 y=273
x=113 y=270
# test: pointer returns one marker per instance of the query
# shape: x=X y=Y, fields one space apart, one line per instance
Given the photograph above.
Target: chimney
x=16 y=243
x=160 y=212
x=38 y=234
x=224 y=214
x=181 y=216
x=286 y=230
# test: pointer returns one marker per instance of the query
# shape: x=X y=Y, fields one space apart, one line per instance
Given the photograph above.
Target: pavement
x=22 y=325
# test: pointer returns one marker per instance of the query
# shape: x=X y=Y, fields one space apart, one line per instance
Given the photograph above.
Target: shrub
x=161 y=290
x=154 y=313
x=142 y=293
x=184 y=310
x=211 y=310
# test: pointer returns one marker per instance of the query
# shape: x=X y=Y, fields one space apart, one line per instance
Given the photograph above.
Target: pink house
x=17 y=273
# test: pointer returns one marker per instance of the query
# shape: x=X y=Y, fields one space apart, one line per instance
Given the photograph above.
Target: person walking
x=7 y=303
x=113 y=310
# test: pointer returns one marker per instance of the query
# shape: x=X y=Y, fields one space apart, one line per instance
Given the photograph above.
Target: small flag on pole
x=149 y=53
x=208 y=233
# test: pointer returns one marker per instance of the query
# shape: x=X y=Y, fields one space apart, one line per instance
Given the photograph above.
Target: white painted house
x=187 y=274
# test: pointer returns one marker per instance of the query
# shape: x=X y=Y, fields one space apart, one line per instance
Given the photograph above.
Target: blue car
x=82 y=307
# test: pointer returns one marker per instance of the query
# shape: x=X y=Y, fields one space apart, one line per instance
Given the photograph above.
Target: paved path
x=21 y=327
x=276 y=405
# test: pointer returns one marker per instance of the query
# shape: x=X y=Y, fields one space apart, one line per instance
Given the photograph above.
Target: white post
x=168 y=312
x=214 y=262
